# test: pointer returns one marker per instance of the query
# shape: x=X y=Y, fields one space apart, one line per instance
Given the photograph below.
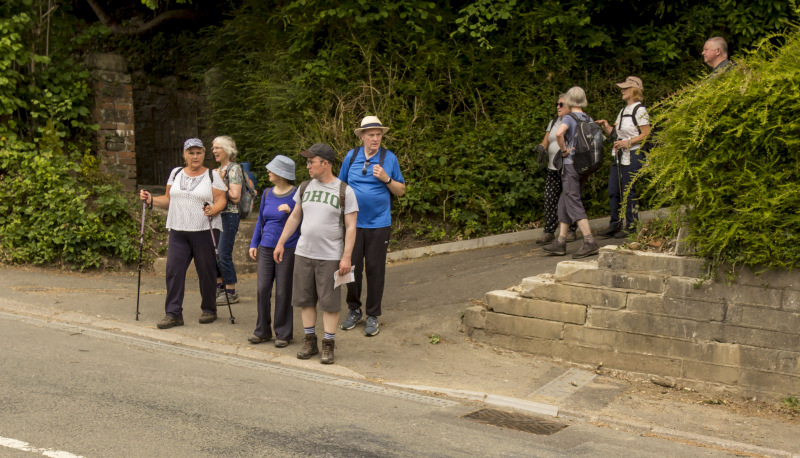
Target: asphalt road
x=97 y=393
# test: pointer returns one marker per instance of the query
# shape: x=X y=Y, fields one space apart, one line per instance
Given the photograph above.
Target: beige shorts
x=313 y=282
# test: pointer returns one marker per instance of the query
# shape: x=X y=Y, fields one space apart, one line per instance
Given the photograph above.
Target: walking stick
x=216 y=252
x=619 y=186
x=141 y=244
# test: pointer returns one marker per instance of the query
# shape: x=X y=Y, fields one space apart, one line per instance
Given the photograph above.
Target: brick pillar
x=113 y=112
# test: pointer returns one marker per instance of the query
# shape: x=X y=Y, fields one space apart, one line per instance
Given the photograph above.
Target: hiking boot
x=372 y=326
x=587 y=249
x=208 y=317
x=310 y=347
x=352 y=319
x=327 y=351
x=545 y=239
x=232 y=298
x=257 y=340
x=169 y=321
x=557 y=248
x=282 y=343
x=623 y=234
x=608 y=232
x=571 y=236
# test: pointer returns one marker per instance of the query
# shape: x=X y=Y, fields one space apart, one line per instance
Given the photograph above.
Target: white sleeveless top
x=186 y=199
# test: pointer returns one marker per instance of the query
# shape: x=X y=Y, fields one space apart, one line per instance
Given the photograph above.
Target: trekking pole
x=141 y=244
x=619 y=186
x=216 y=252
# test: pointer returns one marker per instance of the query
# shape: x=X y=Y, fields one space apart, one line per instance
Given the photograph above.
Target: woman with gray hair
x=232 y=174
x=277 y=204
x=570 y=206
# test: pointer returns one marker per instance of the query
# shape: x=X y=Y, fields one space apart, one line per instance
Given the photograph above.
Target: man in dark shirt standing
x=715 y=55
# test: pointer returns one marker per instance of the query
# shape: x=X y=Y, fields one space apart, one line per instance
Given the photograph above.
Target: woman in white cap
x=631 y=128
x=277 y=204
x=188 y=190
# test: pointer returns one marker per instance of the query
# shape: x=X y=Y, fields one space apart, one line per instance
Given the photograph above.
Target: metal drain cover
x=516 y=421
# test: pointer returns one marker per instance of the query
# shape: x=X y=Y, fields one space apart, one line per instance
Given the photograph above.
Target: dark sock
x=231 y=291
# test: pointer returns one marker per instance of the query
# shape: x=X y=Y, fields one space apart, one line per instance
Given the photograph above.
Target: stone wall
x=113 y=112
x=142 y=127
x=654 y=314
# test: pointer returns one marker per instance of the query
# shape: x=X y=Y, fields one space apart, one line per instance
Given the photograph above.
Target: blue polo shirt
x=374 y=198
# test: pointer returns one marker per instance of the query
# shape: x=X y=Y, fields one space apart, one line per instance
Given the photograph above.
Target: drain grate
x=516 y=421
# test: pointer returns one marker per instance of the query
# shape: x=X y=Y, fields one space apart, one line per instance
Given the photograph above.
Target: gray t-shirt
x=321 y=235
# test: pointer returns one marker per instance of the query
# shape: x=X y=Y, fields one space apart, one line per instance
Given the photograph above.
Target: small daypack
x=647 y=144
x=247 y=196
x=342 y=192
x=587 y=140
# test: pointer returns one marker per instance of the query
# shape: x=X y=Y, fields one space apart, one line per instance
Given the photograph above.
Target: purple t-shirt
x=271 y=220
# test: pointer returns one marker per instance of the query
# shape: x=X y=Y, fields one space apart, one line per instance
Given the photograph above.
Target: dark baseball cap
x=320 y=150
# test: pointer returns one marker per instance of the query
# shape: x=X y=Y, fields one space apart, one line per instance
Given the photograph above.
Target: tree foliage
x=467 y=87
x=55 y=205
x=728 y=158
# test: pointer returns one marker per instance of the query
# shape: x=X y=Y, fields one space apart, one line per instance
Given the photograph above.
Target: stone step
x=616 y=258
x=511 y=303
x=548 y=289
x=588 y=273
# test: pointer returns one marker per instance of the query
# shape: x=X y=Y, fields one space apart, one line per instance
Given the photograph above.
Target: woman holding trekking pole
x=630 y=129
x=277 y=204
x=189 y=188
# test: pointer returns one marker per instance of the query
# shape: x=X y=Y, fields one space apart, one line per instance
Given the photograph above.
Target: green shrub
x=56 y=207
x=728 y=154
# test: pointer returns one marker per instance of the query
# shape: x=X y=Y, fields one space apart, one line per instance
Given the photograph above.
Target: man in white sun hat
x=374 y=174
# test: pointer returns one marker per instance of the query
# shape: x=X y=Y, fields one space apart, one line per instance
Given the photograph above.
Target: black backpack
x=381 y=157
x=647 y=144
x=587 y=140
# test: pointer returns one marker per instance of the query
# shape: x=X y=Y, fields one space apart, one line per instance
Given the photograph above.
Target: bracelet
x=152 y=200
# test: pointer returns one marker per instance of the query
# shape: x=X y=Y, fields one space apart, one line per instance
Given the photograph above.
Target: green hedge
x=728 y=158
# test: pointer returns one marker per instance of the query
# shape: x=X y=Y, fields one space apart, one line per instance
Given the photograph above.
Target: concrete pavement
x=423 y=304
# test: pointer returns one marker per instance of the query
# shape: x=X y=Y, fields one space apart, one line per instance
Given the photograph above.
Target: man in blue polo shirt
x=374 y=174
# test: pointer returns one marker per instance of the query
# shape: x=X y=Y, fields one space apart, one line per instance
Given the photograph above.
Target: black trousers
x=183 y=247
x=370 y=252
x=281 y=274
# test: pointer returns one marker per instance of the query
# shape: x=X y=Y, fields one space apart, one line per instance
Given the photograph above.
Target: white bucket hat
x=282 y=166
x=370 y=122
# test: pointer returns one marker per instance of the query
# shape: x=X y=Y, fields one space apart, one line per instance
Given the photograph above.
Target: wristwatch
x=387 y=182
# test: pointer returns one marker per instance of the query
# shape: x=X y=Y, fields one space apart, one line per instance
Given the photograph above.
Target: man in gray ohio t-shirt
x=324 y=247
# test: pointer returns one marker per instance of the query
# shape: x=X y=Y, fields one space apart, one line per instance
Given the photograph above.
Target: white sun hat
x=370 y=122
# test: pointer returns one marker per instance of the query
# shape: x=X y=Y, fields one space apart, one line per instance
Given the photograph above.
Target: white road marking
x=26 y=447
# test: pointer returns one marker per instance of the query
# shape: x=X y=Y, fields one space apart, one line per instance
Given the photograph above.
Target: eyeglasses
x=310 y=162
x=560 y=105
x=366 y=164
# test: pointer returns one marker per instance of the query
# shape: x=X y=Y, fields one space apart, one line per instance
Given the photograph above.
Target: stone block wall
x=113 y=112
x=654 y=314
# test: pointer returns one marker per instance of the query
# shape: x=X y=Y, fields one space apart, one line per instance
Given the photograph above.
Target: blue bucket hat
x=282 y=166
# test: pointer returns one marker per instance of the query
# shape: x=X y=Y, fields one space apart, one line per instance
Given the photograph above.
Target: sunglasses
x=366 y=164
x=560 y=105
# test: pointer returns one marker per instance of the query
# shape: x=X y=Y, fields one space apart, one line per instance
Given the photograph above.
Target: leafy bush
x=728 y=154
x=55 y=207
x=467 y=87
